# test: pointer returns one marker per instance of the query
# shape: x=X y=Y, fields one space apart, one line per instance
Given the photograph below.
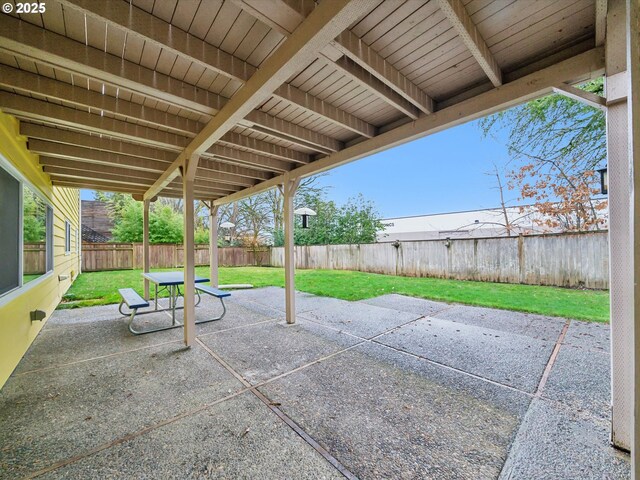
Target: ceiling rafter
x=353 y=47
x=28 y=82
x=152 y=29
x=471 y=37
x=325 y=110
x=156 y=31
x=323 y=24
x=48 y=48
x=579 y=68
x=39 y=110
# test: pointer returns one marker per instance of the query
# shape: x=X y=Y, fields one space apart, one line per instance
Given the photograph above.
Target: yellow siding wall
x=16 y=330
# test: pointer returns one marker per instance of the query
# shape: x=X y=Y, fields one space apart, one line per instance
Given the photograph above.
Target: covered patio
x=392 y=387
x=216 y=101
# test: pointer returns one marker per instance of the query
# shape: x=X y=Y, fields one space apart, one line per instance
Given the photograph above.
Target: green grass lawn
x=101 y=288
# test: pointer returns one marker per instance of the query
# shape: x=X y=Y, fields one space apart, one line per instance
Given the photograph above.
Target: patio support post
x=213 y=244
x=289 y=188
x=145 y=245
x=188 y=171
x=633 y=62
x=621 y=244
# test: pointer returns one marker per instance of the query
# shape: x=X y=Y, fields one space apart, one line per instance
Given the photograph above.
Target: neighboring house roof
x=91 y=236
x=95 y=216
x=466 y=224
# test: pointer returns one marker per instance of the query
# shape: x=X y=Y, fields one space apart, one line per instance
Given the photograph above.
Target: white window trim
x=6 y=297
x=67 y=237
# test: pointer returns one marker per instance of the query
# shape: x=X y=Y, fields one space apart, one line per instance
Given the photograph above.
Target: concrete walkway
x=392 y=387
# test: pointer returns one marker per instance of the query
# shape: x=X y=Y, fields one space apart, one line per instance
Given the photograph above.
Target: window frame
x=67 y=237
x=21 y=288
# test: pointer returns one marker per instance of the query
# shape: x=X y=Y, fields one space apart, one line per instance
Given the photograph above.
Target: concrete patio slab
x=581 y=378
x=269 y=301
x=536 y=326
x=555 y=441
x=75 y=341
x=54 y=414
x=158 y=410
x=239 y=438
x=237 y=315
x=261 y=352
x=595 y=336
x=506 y=358
x=385 y=414
x=403 y=303
x=356 y=318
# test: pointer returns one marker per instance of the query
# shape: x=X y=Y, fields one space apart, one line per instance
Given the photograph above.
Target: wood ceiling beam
x=325 y=110
x=323 y=24
x=62 y=53
x=50 y=150
x=250 y=159
x=254 y=145
x=579 y=68
x=221 y=167
x=367 y=80
x=110 y=187
x=359 y=52
x=94 y=142
x=289 y=16
x=78 y=175
x=457 y=14
x=24 y=81
x=224 y=178
x=136 y=21
x=601 y=22
x=39 y=110
x=59 y=158
x=265 y=123
x=29 y=41
x=152 y=29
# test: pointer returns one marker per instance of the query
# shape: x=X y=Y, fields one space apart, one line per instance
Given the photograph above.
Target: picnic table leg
x=156 y=296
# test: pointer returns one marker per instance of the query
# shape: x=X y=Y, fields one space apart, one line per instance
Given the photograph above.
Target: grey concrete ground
x=392 y=387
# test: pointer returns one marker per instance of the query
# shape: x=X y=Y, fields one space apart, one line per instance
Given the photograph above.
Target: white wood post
x=621 y=245
x=289 y=188
x=188 y=176
x=213 y=244
x=633 y=98
x=145 y=245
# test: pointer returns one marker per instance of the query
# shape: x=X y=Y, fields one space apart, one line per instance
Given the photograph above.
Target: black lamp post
x=604 y=181
x=306 y=213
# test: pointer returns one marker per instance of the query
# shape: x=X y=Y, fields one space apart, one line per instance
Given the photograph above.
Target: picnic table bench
x=171 y=281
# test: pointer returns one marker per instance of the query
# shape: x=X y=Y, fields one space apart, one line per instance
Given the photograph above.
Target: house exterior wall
x=17 y=332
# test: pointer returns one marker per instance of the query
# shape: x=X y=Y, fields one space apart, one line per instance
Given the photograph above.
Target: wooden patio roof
x=118 y=95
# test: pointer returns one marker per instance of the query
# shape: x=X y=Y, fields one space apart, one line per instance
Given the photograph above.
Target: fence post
x=521 y=267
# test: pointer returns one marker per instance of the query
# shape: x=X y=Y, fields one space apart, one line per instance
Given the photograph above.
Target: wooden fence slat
x=563 y=260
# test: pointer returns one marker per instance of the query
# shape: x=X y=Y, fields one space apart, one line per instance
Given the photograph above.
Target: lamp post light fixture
x=604 y=181
x=306 y=213
x=227 y=226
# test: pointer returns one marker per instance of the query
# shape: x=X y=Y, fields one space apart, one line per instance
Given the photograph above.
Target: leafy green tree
x=165 y=225
x=355 y=222
x=34 y=218
x=556 y=144
x=128 y=224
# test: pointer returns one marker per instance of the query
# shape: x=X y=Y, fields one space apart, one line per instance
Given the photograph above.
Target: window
x=67 y=237
x=35 y=214
x=10 y=204
x=26 y=231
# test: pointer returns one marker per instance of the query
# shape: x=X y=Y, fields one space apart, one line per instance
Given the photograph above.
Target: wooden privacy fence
x=35 y=258
x=128 y=256
x=564 y=260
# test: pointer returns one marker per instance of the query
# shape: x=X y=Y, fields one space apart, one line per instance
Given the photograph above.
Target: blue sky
x=444 y=172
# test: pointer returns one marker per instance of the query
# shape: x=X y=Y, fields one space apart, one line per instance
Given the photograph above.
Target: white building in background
x=468 y=224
